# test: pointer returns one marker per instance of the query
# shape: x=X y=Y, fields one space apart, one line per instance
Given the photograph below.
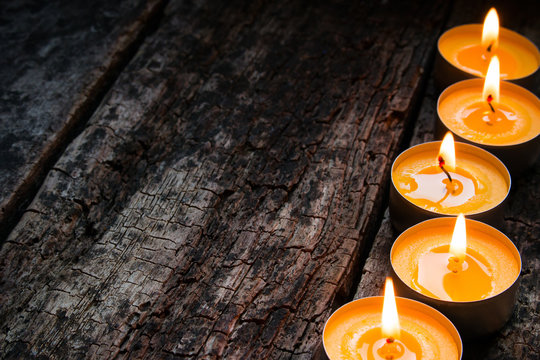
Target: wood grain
x=218 y=201
x=58 y=59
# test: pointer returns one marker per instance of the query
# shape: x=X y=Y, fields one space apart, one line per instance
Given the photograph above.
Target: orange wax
x=516 y=118
x=477 y=184
x=354 y=332
x=461 y=46
x=421 y=257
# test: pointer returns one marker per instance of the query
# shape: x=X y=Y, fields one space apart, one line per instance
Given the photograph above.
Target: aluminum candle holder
x=404 y=213
x=472 y=318
x=344 y=318
x=516 y=156
x=446 y=73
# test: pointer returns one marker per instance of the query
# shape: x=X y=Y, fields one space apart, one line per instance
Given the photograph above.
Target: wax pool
x=354 y=332
x=516 y=118
x=421 y=261
x=461 y=46
x=477 y=184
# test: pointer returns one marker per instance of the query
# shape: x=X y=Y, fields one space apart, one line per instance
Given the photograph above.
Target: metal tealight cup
x=472 y=318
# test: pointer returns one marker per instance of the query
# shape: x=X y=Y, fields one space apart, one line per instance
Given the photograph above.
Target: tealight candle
x=504 y=120
x=468 y=270
x=430 y=180
x=465 y=51
x=390 y=328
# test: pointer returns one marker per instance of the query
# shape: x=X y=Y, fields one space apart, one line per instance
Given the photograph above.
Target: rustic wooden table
x=208 y=179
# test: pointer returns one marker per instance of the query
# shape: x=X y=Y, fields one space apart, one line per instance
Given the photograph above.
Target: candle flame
x=390 y=320
x=490 y=31
x=458 y=246
x=492 y=81
x=448 y=152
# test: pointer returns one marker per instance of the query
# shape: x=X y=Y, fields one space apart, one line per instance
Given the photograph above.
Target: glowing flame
x=491 y=84
x=448 y=152
x=490 y=31
x=390 y=320
x=458 y=246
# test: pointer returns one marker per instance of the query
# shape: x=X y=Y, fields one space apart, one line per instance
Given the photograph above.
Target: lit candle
x=466 y=269
x=406 y=330
x=435 y=179
x=465 y=52
x=504 y=120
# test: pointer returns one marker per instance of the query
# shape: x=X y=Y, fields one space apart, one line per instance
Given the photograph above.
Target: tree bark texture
x=218 y=201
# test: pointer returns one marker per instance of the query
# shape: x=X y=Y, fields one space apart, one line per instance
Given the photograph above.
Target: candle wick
x=390 y=350
x=489 y=47
x=454 y=264
x=489 y=100
x=441 y=165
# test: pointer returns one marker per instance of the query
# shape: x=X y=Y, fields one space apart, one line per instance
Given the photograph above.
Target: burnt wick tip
x=489 y=100
x=441 y=165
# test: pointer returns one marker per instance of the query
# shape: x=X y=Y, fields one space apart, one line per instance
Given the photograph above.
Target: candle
x=502 y=119
x=465 y=52
x=406 y=329
x=466 y=269
x=429 y=180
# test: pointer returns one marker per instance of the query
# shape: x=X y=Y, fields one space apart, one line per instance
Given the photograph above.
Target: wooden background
x=208 y=179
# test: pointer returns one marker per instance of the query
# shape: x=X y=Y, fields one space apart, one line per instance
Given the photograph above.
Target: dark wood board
x=218 y=201
x=58 y=59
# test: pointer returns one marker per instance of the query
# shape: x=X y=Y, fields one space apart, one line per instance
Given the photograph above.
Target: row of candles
x=466 y=269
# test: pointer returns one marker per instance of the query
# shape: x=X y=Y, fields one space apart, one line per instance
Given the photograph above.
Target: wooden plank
x=218 y=201
x=58 y=59
x=519 y=338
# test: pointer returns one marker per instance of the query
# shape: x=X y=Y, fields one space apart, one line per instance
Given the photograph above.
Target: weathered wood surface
x=218 y=201
x=520 y=338
x=58 y=59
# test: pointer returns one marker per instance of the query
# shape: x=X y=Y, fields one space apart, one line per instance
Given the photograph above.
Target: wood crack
x=82 y=110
